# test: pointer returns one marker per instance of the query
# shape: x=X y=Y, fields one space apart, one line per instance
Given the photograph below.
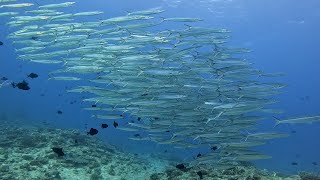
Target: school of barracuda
x=188 y=87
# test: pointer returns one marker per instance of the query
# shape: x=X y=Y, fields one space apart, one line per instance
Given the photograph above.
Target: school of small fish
x=189 y=89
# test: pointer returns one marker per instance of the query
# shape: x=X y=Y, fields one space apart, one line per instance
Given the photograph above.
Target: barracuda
x=60 y=5
x=21 y=5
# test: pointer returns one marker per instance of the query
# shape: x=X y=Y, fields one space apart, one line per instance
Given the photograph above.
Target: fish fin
x=188 y=26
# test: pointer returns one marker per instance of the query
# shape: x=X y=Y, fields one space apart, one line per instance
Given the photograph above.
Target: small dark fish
x=293 y=132
x=104 y=125
x=200 y=174
x=76 y=141
x=180 y=166
x=315 y=163
x=307 y=98
x=199 y=155
x=21 y=85
x=168 y=131
x=93 y=132
x=93 y=105
x=115 y=124
x=145 y=94
x=294 y=163
x=59 y=112
x=139 y=118
x=213 y=148
x=4 y=78
x=137 y=135
x=1 y=43
x=33 y=75
x=165 y=151
x=58 y=151
x=34 y=38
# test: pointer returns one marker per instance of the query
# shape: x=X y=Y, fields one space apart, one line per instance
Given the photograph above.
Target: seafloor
x=26 y=153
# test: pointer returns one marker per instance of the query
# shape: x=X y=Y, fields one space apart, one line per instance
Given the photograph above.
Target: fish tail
x=277 y=123
x=246 y=138
x=196 y=138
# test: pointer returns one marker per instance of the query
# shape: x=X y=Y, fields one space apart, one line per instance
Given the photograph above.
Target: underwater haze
x=181 y=89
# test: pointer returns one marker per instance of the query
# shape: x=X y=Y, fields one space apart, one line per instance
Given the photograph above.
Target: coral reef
x=211 y=173
x=27 y=153
x=308 y=176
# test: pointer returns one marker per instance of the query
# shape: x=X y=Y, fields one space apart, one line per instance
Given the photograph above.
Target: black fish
x=33 y=75
x=213 y=148
x=200 y=174
x=21 y=85
x=1 y=43
x=34 y=38
x=59 y=112
x=93 y=132
x=93 y=105
x=58 y=151
x=137 y=135
x=139 y=118
x=181 y=166
x=199 y=155
x=314 y=163
x=4 y=78
x=115 y=124
x=104 y=125
x=294 y=163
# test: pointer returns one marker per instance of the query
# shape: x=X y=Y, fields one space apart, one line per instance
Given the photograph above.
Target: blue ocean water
x=283 y=35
